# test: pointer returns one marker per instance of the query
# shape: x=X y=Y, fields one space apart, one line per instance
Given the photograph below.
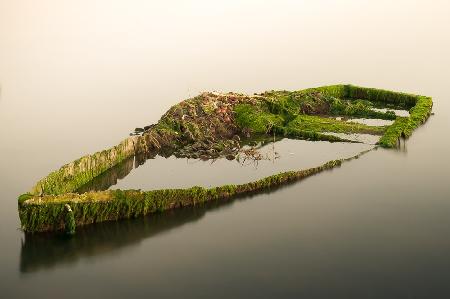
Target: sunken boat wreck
x=212 y=126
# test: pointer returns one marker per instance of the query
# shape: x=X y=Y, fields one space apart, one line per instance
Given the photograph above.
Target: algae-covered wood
x=220 y=122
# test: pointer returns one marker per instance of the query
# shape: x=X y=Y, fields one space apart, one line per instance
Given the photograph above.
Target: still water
x=273 y=157
x=78 y=76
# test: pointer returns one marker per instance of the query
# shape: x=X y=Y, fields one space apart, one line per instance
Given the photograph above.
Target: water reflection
x=109 y=177
x=401 y=145
x=47 y=250
x=165 y=170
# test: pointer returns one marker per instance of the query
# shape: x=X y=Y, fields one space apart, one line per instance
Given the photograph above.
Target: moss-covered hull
x=214 y=119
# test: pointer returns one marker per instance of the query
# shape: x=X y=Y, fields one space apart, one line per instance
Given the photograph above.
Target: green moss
x=60 y=212
x=420 y=108
x=282 y=112
x=404 y=126
x=259 y=114
x=319 y=101
x=291 y=103
x=72 y=176
x=394 y=132
x=294 y=133
x=321 y=124
x=336 y=91
x=69 y=220
x=169 y=125
x=24 y=197
x=381 y=95
x=359 y=108
x=298 y=114
x=193 y=130
x=255 y=119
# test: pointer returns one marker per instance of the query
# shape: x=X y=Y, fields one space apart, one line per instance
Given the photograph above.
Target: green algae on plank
x=288 y=114
x=79 y=172
x=50 y=212
x=318 y=102
x=323 y=124
x=382 y=95
x=404 y=126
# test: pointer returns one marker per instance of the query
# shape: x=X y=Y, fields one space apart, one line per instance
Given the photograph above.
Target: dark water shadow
x=49 y=250
x=45 y=251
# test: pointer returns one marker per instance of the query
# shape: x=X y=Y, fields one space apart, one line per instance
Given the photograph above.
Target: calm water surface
x=276 y=157
x=78 y=76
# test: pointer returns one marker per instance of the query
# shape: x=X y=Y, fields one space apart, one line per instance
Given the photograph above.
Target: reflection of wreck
x=49 y=250
x=43 y=251
x=212 y=124
x=109 y=177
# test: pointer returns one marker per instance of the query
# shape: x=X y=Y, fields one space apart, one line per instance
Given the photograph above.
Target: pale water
x=272 y=158
x=78 y=76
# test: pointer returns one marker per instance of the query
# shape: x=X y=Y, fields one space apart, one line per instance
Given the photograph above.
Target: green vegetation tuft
x=255 y=119
x=24 y=197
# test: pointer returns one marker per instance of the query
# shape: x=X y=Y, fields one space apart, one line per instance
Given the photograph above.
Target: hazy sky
x=198 y=45
x=115 y=65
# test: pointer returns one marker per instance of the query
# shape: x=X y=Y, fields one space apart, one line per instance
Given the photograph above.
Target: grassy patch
x=358 y=108
x=255 y=119
x=322 y=124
